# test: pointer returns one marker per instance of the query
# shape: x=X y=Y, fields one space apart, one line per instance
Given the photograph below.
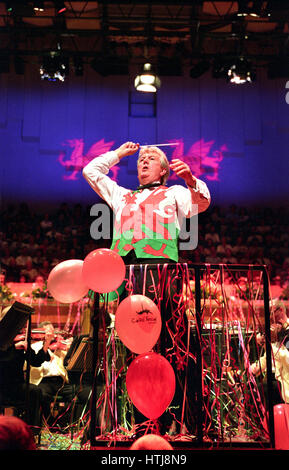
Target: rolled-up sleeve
x=192 y=201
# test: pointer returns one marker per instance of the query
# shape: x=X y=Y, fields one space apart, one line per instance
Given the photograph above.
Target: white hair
x=163 y=160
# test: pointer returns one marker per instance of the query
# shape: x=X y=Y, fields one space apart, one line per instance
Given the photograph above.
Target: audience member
x=29 y=271
x=23 y=257
x=151 y=442
x=51 y=376
x=15 y=434
x=13 y=386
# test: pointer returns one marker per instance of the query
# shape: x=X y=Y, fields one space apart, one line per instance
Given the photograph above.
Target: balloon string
x=77 y=317
x=58 y=316
x=38 y=312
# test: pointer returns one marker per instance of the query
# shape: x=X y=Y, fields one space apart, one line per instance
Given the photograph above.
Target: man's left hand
x=183 y=171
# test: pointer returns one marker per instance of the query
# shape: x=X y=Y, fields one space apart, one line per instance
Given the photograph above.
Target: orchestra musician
x=13 y=387
x=280 y=356
x=51 y=376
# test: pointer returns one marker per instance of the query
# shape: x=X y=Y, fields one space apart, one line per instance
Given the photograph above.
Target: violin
x=58 y=341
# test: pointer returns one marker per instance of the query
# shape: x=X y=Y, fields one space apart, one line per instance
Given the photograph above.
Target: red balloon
x=138 y=323
x=103 y=270
x=281 y=426
x=65 y=282
x=150 y=382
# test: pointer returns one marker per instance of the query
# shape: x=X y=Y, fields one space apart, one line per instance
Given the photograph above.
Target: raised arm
x=126 y=149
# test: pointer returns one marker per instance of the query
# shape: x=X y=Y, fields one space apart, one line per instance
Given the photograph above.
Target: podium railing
x=197 y=279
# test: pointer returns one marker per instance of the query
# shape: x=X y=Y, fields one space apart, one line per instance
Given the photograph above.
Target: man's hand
x=129 y=148
x=183 y=171
x=21 y=345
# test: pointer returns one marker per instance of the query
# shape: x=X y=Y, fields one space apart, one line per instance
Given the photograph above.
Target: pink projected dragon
x=78 y=159
x=201 y=158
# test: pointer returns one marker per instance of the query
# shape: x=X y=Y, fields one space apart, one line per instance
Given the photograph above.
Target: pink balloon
x=65 y=282
x=150 y=382
x=138 y=323
x=281 y=426
x=103 y=270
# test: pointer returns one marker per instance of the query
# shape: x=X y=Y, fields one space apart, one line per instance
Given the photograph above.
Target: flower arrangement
x=41 y=292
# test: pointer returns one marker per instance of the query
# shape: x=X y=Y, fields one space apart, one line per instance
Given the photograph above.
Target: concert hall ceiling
x=170 y=33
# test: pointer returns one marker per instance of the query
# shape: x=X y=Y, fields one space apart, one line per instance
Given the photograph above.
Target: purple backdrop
x=234 y=138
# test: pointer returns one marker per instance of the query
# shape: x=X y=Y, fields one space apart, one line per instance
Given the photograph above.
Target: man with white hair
x=147 y=221
x=146 y=231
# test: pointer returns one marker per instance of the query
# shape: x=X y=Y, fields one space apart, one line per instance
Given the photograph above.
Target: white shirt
x=51 y=368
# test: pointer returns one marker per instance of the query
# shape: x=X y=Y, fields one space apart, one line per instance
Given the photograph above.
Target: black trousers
x=50 y=388
x=18 y=393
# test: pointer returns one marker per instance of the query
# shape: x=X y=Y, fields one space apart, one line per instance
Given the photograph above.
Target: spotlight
x=54 y=67
x=246 y=8
x=38 y=5
x=147 y=81
x=240 y=72
x=243 y=9
x=60 y=7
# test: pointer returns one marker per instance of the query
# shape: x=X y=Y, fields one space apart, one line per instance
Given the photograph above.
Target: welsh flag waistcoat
x=150 y=227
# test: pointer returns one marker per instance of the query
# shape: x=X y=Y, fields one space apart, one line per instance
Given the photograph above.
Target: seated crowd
x=31 y=244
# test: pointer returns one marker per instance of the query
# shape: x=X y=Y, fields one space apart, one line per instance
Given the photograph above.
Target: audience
x=32 y=244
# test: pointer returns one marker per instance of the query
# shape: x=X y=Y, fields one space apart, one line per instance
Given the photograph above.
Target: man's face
x=49 y=329
x=149 y=167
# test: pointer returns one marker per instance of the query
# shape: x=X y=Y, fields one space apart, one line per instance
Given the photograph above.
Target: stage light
x=240 y=72
x=147 y=81
x=243 y=9
x=38 y=5
x=60 y=7
x=54 y=67
x=246 y=8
